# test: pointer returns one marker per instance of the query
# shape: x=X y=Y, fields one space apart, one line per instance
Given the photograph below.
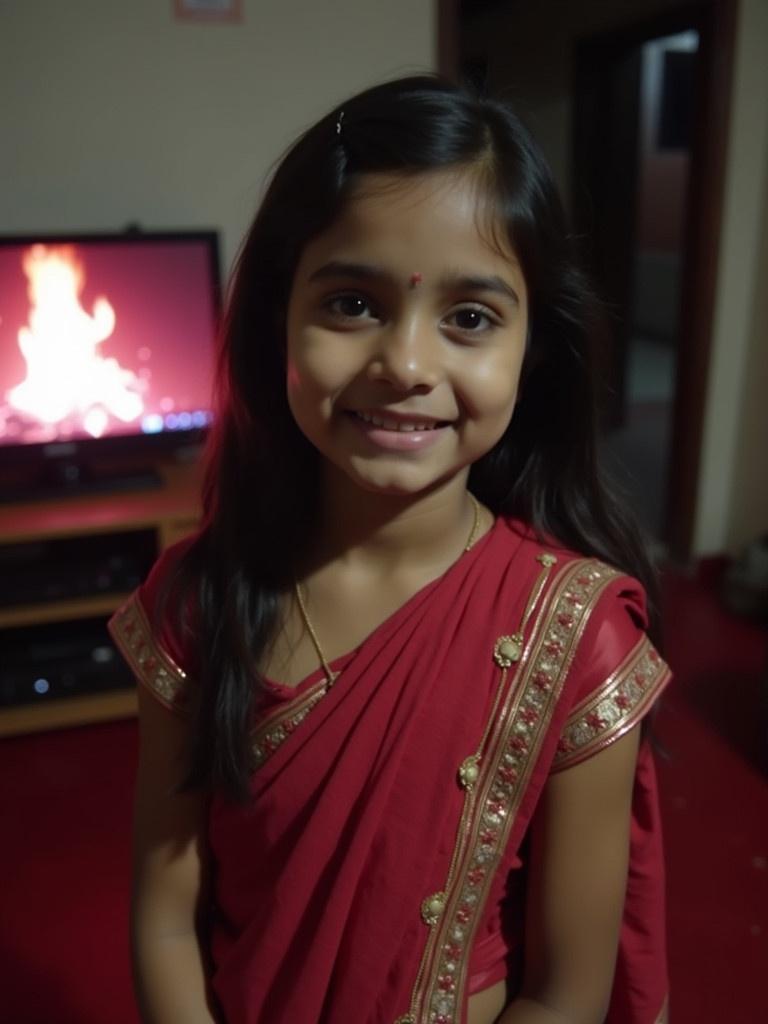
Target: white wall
x=112 y=111
x=749 y=505
x=732 y=505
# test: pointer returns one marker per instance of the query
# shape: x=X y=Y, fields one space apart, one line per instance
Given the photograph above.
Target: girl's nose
x=407 y=357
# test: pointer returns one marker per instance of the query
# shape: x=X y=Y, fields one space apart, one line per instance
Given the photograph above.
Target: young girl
x=391 y=768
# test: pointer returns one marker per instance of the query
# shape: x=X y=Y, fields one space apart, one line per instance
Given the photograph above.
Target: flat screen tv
x=107 y=351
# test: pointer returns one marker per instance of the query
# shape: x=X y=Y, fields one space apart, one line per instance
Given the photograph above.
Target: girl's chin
x=398 y=482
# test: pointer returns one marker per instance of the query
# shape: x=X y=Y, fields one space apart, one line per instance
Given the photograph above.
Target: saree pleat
x=387 y=813
x=356 y=790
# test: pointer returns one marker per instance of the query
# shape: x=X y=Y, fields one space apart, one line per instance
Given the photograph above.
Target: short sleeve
x=149 y=640
x=618 y=675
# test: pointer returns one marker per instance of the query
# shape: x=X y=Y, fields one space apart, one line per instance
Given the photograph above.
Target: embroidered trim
x=152 y=666
x=275 y=729
x=514 y=742
x=662 y=1018
x=619 y=704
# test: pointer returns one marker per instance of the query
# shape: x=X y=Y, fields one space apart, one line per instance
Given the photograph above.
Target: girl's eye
x=351 y=306
x=472 y=320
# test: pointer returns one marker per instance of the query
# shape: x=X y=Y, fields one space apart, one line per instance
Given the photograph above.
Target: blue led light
x=41 y=686
x=152 y=423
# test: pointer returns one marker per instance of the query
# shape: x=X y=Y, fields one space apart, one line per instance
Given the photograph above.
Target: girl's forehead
x=409 y=191
x=452 y=205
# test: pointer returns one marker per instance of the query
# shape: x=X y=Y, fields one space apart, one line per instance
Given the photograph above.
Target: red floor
x=65 y=804
x=65 y=809
x=714 y=785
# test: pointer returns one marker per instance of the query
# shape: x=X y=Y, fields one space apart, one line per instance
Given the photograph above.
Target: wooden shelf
x=60 y=611
x=55 y=714
x=170 y=511
x=175 y=505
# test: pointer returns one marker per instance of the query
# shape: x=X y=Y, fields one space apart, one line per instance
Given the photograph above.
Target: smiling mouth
x=402 y=425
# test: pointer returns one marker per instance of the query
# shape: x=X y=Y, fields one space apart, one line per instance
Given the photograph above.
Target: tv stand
x=67 y=478
x=87 y=524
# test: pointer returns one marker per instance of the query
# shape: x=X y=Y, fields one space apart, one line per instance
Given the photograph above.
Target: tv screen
x=105 y=338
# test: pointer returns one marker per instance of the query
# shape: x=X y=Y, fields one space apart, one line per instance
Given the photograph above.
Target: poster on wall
x=208 y=10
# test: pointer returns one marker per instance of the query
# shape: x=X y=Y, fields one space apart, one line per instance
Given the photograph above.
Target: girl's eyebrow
x=356 y=271
x=474 y=283
x=451 y=282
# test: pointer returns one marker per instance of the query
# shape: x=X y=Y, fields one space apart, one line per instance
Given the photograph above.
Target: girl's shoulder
x=162 y=576
x=597 y=616
x=624 y=595
x=153 y=629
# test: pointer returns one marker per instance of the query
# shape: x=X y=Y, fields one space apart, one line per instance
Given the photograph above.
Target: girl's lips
x=398 y=433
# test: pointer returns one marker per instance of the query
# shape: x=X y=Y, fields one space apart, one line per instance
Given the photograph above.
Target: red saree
x=376 y=875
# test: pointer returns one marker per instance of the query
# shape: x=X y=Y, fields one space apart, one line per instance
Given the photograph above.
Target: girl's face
x=406 y=333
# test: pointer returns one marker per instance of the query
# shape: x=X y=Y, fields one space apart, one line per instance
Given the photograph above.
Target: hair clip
x=339 y=122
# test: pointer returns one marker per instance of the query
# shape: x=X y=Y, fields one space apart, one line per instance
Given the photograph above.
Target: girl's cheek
x=293 y=378
x=310 y=380
x=494 y=385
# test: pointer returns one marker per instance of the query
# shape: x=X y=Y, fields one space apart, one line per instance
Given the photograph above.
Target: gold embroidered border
x=663 y=1018
x=155 y=669
x=275 y=729
x=490 y=808
x=615 y=708
x=152 y=666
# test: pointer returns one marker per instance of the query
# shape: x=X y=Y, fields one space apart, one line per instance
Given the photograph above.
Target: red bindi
x=416 y=279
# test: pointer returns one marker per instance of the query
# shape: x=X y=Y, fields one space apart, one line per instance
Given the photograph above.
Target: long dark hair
x=261 y=486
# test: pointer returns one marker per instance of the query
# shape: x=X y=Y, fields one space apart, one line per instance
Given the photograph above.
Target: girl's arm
x=577 y=882
x=168 y=877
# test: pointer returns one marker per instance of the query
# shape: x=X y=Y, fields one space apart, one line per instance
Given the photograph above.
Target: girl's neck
x=389 y=532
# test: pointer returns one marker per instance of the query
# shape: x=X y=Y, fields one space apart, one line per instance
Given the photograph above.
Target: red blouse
x=378 y=873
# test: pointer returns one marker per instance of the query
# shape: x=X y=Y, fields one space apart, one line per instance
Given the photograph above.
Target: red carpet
x=65 y=800
x=714 y=784
x=65 y=804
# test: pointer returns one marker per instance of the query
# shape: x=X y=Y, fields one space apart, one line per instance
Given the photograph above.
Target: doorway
x=623 y=105
x=636 y=441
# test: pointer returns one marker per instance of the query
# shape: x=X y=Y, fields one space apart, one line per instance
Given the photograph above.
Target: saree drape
x=377 y=874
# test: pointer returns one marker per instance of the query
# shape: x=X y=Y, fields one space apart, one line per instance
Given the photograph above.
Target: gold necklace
x=330 y=675
x=475 y=521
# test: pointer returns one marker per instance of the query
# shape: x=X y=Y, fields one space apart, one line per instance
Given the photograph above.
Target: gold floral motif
x=407 y=1018
x=508 y=650
x=547 y=560
x=432 y=908
x=469 y=771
